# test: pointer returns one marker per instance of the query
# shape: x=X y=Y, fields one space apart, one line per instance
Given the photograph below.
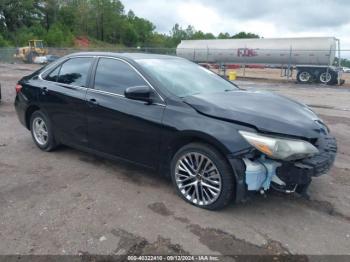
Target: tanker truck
x=312 y=57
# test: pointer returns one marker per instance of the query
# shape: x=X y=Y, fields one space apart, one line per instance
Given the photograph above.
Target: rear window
x=53 y=76
x=75 y=71
x=72 y=72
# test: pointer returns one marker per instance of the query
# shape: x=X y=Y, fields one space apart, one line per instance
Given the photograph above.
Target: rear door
x=63 y=94
x=119 y=126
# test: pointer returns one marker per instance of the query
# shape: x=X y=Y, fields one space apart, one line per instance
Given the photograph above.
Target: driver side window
x=115 y=76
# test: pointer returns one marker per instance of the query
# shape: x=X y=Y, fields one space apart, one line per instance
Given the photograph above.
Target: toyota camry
x=216 y=141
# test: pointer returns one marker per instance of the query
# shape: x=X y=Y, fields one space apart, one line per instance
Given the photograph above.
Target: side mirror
x=142 y=93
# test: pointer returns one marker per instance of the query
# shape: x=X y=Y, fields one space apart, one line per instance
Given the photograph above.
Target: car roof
x=132 y=56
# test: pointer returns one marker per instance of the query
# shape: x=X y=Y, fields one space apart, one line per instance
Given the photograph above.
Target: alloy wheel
x=40 y=131
x=198 y=179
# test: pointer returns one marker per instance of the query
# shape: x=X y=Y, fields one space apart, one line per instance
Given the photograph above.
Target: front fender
x=186 y=122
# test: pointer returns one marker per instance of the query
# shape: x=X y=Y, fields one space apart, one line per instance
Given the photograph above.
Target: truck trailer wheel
x=328 y=78
x=304 y=77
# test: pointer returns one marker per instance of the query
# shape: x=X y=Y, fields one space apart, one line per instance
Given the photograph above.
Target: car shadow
x=125 y=170
x=269 y=203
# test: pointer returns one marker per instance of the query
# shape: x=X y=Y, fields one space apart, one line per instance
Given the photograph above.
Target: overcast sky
x=267 y=18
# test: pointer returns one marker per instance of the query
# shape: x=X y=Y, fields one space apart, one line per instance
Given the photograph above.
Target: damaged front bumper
x=300 y=172
x=260 y=174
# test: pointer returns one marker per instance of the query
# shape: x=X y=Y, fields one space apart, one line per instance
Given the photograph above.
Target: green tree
x=224 y=36
x=49 y=10
x=245 y=35
x=58 y=21
x=177 y=34
x=23 y=35
x=107 y=15
x=3 y=42
x=190 y=31
x=17 y=14
x=67 y=15
x=129 y=36
x=209 y=36
x=159 y=40
x=58 y=36
x=344 y=62
x=143 y=29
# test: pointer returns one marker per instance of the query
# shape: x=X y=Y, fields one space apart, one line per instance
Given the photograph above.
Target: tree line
x=59 y=22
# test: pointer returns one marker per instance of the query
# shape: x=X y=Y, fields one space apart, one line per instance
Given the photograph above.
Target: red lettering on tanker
x=246 y=52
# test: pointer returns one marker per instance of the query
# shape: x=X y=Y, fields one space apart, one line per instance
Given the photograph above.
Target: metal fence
x=7 y=54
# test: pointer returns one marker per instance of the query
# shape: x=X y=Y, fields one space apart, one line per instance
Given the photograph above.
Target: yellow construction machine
x=34 y=49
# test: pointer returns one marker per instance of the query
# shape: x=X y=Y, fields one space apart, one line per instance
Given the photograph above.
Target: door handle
x=92 y=102
x=44 y=90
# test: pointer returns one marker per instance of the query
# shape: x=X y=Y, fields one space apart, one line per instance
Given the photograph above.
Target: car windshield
x=183 y=78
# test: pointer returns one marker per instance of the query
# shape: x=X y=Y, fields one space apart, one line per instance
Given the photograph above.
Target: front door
x=118 y=126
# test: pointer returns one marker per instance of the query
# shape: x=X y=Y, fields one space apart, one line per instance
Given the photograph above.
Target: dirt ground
x=69 y=202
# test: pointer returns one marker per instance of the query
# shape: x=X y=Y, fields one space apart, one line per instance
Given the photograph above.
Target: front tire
x=42 y=132
x=202 y=176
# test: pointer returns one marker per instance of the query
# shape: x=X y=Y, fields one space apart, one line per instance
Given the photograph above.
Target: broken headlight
x=280 y=148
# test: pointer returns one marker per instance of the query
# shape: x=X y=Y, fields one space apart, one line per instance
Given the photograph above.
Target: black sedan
x=216 y=141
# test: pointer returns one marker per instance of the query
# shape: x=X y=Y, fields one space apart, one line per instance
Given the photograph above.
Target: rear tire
x=202 y=176
x=328 y=78
x=42 y=132
x=304 y=77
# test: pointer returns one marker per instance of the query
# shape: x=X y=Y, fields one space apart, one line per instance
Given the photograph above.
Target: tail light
x=18 y=88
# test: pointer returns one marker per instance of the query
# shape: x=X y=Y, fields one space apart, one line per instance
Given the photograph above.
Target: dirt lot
x=69 y=202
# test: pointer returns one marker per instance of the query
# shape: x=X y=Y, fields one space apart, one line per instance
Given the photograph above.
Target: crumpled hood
x=266 y=111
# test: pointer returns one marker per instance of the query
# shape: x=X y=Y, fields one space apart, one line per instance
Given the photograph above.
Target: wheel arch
x=186 y=137
x=183 y=138
x=30 y=110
